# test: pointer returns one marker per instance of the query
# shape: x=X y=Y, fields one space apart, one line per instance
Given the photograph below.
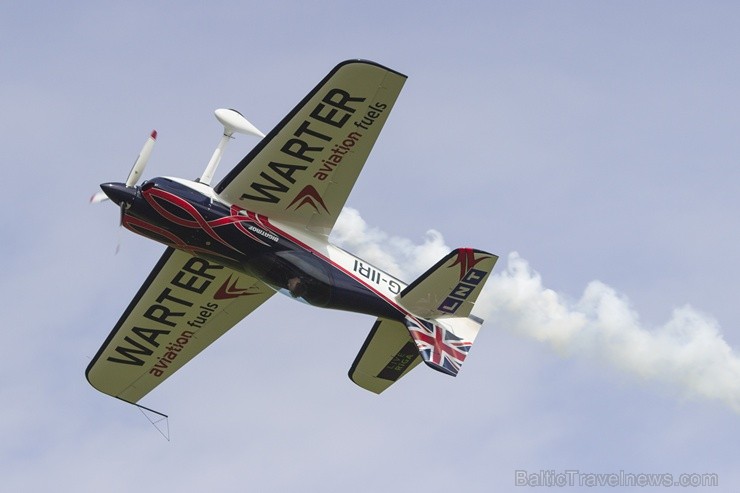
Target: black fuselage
x=180 y=216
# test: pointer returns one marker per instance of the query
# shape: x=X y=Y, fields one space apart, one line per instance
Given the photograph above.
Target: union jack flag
x=439 y=348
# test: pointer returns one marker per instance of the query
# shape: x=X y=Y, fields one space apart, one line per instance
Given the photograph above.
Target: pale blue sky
x=599 y=140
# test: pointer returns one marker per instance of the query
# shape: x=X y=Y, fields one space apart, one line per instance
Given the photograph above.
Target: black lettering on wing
x=130 y=353
x=266 y=191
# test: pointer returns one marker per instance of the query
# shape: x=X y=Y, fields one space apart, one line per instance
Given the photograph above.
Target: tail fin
x=441 y=300
x=451 y=286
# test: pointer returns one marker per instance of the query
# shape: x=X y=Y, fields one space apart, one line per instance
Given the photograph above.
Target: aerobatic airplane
x=264 y=229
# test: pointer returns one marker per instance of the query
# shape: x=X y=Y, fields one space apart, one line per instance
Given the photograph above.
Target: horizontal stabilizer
x=387 y=354
x=451 y=286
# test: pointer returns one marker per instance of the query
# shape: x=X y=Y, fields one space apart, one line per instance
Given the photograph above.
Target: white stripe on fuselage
x=379 y=282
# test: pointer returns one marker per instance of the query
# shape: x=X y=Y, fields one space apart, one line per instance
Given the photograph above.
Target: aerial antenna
x=158 y=420
x=233 y=121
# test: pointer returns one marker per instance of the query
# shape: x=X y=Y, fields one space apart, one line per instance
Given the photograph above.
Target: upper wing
x=185 y=304
x=304 y=169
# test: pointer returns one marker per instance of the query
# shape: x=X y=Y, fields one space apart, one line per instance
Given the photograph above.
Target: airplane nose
x=119 y=193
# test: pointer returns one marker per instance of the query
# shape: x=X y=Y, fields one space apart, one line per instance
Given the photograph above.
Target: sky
x=591 y=145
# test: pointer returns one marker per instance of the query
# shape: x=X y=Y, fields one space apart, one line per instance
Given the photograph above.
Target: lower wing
x=185 y=304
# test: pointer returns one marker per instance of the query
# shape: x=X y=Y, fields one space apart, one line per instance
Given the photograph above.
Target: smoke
x=687 y=352
x=398 y=256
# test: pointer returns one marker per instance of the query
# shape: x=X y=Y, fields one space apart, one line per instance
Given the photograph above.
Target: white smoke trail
x=398 y=256
x=687 y=352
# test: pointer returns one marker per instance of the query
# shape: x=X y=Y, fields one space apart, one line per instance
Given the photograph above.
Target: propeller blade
x=141 y=161
x=98 y=197
x=123 y=213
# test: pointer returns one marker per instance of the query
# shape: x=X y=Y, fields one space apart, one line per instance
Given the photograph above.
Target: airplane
x=264 y=229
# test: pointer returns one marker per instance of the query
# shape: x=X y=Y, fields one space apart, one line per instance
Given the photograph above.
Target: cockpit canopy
x=298 y=274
